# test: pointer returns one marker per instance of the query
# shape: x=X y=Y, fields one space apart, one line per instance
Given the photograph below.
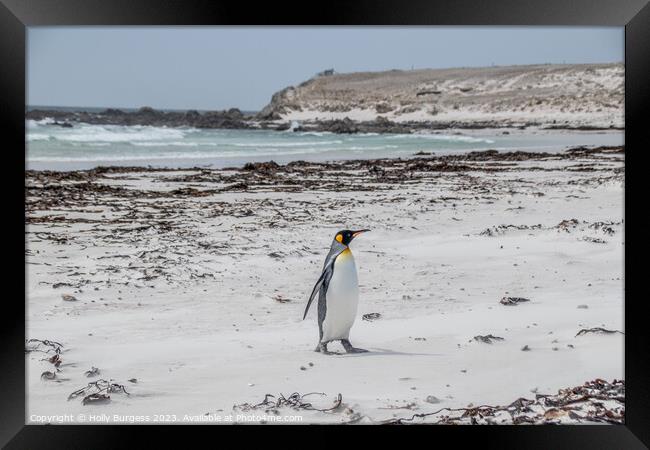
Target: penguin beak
x=357 y=233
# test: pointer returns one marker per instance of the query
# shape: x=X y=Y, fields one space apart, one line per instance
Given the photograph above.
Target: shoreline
x=234 y=119
x=286 y=147
x=269 y=167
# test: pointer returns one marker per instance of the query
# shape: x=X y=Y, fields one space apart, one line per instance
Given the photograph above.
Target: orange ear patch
x=339 y=237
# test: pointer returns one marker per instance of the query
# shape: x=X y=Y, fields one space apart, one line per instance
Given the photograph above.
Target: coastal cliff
x=581 y=96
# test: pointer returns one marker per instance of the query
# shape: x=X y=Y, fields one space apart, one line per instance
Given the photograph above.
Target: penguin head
x=345 y=236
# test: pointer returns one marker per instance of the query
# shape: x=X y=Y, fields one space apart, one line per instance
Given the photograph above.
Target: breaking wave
x=106 y=133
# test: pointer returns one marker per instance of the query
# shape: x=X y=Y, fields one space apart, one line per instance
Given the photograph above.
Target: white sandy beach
x=181 y=293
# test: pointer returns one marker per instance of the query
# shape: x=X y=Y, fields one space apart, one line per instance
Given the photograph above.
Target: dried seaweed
x=596 y=401
x=98 y=391
x=295 y=401
x=47 y=375
x=502 y=229
x=95 y=399
x=371 y=316
x=512 y=301
x=44 y=346
x=93 y=372
x=597 y=330
x=54 y=359
x=56 y=202
x=488 y=338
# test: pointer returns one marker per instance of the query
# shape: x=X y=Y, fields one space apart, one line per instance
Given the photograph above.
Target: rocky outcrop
x=281 y=102
x=568 y=96
x=348 y=126
x=230 y=119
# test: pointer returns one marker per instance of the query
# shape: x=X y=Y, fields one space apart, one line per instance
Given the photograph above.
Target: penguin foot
x=350 y=349
x=356 y=350
x=322 y=348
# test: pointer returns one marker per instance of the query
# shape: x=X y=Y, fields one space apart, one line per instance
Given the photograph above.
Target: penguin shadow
x=381 y=352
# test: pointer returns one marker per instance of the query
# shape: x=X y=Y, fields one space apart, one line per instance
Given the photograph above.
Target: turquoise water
x=86 y=146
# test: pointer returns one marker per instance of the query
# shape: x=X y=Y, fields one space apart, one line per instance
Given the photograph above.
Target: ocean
x=84 y=146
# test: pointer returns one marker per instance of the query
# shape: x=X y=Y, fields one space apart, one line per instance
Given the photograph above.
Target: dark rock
x=345 y=126
x=383 y=108
x=284 y=126
x=113 y=112
x=230 y=119
x=147 y=110
x=234 y=113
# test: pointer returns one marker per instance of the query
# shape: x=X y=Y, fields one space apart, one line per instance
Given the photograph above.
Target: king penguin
x=338 y=294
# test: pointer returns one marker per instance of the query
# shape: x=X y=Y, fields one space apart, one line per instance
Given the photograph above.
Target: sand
x=194 y=288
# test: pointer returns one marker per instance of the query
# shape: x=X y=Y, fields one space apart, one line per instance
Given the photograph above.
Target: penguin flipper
x=327 y=273
x=328 y=269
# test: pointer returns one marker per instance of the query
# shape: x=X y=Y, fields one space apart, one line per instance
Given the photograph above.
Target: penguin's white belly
x=342 y=299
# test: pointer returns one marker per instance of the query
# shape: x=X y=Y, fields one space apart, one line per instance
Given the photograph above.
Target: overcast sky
x=222 y=67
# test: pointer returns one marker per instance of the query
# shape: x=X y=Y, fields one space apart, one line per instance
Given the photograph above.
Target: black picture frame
x=16 y=15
